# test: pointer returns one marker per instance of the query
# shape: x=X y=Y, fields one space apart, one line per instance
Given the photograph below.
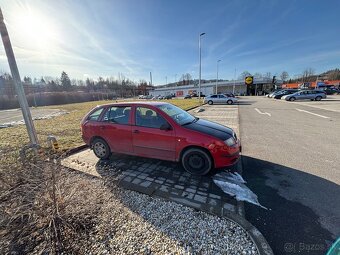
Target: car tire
x=210 y=102
x=100 y=148
x=230 y=102
x=196 y=161
x=318 y=98
x=292 y=99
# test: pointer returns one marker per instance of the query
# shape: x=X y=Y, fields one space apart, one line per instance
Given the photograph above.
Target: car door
x=303 y=95
x=148 y=139
x=116 y=129
x=222 y=99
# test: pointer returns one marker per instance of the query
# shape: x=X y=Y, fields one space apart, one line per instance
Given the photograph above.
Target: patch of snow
x=234 y=185
x=22 y=122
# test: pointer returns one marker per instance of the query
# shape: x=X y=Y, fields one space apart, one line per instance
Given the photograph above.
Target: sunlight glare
x=36 y=29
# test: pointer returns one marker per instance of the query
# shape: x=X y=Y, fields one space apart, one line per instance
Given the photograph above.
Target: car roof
x=133 y=103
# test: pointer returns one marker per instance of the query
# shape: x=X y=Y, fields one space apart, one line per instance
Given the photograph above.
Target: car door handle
x=136 y=131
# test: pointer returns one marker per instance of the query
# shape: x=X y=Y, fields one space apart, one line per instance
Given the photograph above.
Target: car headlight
x=230 y=141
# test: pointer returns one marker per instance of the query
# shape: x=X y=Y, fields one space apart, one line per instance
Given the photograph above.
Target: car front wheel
x=230 y=102
x=196 y=161
x=210 y=102
x=292 y=99
x=100 y=148
x=318 y=98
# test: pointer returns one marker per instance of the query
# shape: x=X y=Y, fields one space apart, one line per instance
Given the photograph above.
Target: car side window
x=221 y=96
x=118 y=115
x=213 y=96
x=146 y=117
x=95 y=115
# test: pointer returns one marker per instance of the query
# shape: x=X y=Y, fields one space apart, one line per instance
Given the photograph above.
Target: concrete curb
x=261 y=243
x=76 y=149
x=194 y=107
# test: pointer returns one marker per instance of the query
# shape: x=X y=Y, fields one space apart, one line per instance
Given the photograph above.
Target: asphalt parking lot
x=291 y=160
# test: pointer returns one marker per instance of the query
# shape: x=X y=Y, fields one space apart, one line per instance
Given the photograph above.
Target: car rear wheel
x=100 y=148
x=196 y=161
x=230 y=101
x=210 y=102
x=318 y=98
x=292 y=99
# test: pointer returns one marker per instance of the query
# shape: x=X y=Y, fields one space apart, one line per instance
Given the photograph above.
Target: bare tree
x=284 y=76
x=307 y=73
x=258 y=75
x=334 y=74
x=267 y=75
x=186 y=78
x=243 y=75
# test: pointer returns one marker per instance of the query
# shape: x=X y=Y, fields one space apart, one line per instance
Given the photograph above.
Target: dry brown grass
x=47 y=209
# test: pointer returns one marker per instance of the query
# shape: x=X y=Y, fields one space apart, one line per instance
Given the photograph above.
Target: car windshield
x=177 y=114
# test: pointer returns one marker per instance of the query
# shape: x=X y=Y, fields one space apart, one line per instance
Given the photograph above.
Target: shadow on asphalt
x=288 y=226
x=245 y=102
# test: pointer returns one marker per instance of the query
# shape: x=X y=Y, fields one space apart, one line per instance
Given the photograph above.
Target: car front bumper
x=227 y=158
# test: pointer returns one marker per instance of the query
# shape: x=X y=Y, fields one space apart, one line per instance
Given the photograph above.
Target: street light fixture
x=200 y=65
x=218 y=61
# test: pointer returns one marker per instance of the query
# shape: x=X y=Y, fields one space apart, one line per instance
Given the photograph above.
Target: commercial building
x=259 y=87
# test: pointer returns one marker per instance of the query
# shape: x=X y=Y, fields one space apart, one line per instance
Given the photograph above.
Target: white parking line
x=267 y=113
x=321 y=116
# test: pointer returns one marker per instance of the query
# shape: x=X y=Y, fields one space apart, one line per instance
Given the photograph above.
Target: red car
x=160 y=130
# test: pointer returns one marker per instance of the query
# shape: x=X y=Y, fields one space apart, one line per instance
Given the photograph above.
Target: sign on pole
x=249 y=80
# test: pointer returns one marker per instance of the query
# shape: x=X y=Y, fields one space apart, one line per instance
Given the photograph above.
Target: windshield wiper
x=194 y=120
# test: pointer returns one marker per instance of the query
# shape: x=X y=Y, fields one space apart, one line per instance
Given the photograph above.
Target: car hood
x=211 y=128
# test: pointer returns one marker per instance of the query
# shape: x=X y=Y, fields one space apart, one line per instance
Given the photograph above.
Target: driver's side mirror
x=166 y=126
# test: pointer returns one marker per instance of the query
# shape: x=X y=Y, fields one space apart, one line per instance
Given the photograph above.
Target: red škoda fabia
x=162 y=131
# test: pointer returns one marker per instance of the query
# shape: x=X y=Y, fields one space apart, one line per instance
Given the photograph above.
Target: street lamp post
x=200 y=66
x=218 y=61
x=234 y=82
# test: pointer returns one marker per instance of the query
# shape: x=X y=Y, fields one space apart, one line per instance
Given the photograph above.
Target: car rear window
x=118 y=114
x=95 y=115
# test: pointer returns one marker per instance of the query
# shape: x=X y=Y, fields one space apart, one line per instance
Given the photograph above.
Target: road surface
x=291 y=160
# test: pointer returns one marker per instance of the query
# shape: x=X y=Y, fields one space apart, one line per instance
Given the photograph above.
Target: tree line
x=122 y=87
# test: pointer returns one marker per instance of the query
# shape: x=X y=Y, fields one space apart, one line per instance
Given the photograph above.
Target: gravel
x=139 y=224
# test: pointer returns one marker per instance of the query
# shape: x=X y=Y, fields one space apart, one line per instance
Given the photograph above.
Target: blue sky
x=88 y=38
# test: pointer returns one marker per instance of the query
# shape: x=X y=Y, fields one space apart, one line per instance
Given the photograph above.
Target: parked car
x=197 y=94
x=316 y=95
x=160 y=130
x=270 y=95
x=229 y=94
x=219 y=99
x=331 y=91
x=187 y=97
x=168 y=97
x=285 y=92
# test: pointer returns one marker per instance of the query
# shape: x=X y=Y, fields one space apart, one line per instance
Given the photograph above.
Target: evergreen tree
x=65 y=81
